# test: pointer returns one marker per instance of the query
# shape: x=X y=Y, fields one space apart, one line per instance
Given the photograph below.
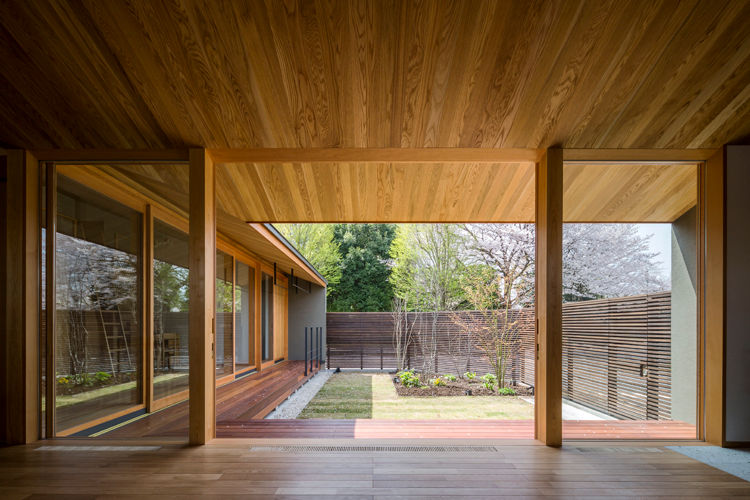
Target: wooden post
x=549 y=205
x=148 y=299
x=202 y=260
x=21 y=296
x=715 y=295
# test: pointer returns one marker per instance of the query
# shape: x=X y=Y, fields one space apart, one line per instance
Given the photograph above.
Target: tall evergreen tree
x=365 y=254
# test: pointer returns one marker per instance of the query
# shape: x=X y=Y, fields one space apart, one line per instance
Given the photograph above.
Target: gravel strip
x=294 y=404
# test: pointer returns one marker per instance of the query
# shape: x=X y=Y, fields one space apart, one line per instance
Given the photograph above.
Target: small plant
x=489 y=381
x=470 y=375
x=437 y=382
x=449 y=377
x=409 y=379
x=506 y=391
x=102 y=377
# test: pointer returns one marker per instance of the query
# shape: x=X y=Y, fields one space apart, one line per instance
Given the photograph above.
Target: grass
x=364 y=395
x=81 y=397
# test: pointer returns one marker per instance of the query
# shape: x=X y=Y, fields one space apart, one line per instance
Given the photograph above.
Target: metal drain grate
x=375 y=449
x=97 y=448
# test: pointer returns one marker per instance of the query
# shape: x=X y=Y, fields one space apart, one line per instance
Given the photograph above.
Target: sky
x=661 y=242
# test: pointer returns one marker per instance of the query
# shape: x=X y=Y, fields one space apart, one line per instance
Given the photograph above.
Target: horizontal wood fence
x=616 y=352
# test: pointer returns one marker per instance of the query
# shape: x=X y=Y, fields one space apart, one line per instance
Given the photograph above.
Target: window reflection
x=98 y=358
x=171 y=306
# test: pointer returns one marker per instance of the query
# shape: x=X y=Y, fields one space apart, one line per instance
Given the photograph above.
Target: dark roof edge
x=281 y=238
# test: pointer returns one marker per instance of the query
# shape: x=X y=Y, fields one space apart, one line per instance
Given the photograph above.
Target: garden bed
x=459 y=387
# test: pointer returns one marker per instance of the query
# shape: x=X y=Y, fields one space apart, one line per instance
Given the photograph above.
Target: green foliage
x=449 y=377
x=409 y=379
x=470 y=375
x=437 y=382
x=427 y=266
x=507 y=391
x=489 y=381
x=316 y=243
x=102 y=377
x=365 y=254
x=170 y=287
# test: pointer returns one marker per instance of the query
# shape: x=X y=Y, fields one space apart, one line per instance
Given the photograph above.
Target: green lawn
x=365 y=395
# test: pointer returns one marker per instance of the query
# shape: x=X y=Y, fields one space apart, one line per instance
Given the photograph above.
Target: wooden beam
x=637 y=155
x=382 y=155
x=715 y=295
x=21 y=319
x=113 y=155
x=549 y=205
x=202 y=377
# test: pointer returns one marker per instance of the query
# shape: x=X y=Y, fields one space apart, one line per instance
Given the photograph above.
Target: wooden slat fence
x=616 y=352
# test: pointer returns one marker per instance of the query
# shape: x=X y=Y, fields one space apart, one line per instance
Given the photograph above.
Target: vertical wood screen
x=616 y=352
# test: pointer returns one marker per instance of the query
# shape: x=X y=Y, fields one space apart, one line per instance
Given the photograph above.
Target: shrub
x=437 y=382
x=489 y=381
x=102 y=377
x=470 y=375
x=409 y=379
x=507 y=391
x=449 y=377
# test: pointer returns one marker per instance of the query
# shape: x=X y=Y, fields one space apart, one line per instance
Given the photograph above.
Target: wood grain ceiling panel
x=381 y=73
x=417 y=192
x=374 y=192
x=628 y=193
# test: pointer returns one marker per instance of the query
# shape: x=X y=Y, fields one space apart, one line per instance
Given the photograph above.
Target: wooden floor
x=453 y=429
x=251 y=397
x=427 y=469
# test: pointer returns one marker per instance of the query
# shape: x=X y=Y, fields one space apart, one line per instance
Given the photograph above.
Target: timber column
x=549 y=206
x=202 y=259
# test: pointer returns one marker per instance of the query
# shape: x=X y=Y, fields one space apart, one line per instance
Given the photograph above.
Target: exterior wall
x=737 y=294
x=305 y=309
x=684 y=343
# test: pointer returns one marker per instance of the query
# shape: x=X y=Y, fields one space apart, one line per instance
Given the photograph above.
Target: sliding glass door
x=244 y=316
x=266 y=317
x=171 y=306
x=224 y=329
x=98 y=356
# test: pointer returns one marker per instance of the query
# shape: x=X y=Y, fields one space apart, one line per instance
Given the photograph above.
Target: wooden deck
x=449 y=429
x=249 y=398
x=234 y=469
x=242 y=404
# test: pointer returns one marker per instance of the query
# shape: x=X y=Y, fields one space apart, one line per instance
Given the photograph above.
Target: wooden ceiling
x=415 y=192
x=628 y=193
x=230 y=74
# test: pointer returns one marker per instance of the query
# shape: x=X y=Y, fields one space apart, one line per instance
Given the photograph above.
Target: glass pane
x=98 y=335
x=223 y=313
x=171 y=248
x=244 y=311
x=266 y=317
